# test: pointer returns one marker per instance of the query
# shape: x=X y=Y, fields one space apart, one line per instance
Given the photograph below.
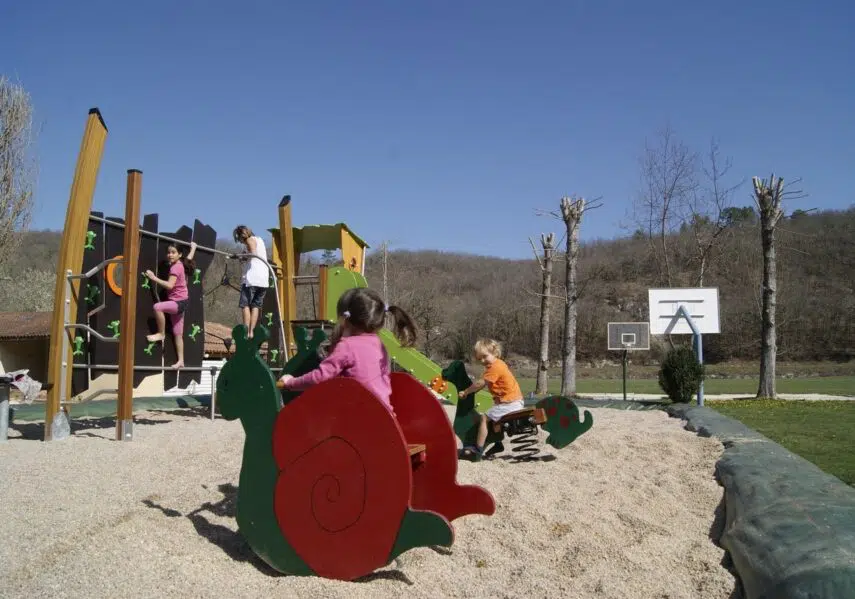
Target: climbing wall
x=91 y=294
x=107 y=321
x=194 y=319
x=146 y=353
x=102 y=293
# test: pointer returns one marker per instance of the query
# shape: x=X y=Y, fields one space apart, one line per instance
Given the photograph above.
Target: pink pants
x=171 y=307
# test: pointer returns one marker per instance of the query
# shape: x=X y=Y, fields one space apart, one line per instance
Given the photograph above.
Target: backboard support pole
x=625 y=352
x=699 y=346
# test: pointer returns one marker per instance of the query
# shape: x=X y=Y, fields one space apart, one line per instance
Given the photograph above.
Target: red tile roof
x=25 y=325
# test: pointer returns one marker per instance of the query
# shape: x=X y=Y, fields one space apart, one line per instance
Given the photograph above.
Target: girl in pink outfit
x=356 y=350
x=180 y=267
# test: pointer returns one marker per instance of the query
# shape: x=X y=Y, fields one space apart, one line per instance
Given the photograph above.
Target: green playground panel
x=311 y=238
x=339 y=280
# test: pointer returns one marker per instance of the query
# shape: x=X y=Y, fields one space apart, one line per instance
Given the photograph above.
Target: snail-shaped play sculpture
x=327 y=484
x=564 y=420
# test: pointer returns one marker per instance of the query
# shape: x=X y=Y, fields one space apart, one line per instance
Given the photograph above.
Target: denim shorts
x=251 y=297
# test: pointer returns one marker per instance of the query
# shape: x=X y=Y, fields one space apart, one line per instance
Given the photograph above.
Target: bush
x=680 y=375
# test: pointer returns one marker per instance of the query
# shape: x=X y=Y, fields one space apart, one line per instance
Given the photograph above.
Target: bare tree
x=769 y=196
x=548 y=243
x=17 y=167
x=669 y=179
x=708 y=209
x=572 y=209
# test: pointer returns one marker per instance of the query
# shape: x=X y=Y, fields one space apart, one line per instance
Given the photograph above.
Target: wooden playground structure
x=97 y=295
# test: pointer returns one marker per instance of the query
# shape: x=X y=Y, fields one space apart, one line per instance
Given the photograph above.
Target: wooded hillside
x=458 y=297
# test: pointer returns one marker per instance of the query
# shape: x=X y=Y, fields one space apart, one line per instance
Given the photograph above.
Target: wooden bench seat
x=539 y=415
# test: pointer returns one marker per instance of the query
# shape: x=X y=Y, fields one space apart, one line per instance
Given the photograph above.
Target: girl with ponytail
x=356 y=350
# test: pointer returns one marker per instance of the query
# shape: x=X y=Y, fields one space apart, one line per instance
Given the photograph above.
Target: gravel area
x=625 y=512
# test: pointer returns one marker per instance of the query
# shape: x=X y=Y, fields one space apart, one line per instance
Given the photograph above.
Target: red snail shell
x=342 y=488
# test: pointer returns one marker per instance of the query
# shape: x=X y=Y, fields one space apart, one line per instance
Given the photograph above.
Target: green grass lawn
x=829 y=385
x=822 y=432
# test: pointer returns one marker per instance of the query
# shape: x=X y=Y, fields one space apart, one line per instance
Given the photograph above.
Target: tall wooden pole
x=128 y=318
x=288 y=259
x=70 y=258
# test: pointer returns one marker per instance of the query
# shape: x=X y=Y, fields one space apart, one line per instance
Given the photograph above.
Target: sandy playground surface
x=625 y=512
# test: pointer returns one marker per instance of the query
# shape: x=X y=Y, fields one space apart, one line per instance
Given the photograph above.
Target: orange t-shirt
x=501 y=382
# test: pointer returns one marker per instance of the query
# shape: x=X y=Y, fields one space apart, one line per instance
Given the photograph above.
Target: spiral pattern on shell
x=344 y=478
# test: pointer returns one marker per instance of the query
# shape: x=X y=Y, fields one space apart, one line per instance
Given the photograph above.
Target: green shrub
x=680 y=375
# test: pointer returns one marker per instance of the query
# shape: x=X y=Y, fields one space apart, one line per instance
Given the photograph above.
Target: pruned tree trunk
x=768 y=343
x=548 y=243
x=768 y=196
x=571 y=212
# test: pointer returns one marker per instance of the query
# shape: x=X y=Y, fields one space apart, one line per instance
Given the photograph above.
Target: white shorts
x=503 y=409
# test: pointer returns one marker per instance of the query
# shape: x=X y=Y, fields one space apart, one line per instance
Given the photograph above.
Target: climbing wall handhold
x=150 y=347
x=78 y=346
x=269 y=317
x=194 y=330
x=90 y=239
x=114 y=326
x=196 y=274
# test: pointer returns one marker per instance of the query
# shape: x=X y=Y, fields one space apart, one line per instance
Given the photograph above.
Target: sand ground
x=627 y=511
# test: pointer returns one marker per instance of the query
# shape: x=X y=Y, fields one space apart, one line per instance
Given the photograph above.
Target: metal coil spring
x=525 y=445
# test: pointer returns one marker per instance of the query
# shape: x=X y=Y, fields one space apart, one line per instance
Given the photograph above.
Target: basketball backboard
x=700 y=302
x=629 y=336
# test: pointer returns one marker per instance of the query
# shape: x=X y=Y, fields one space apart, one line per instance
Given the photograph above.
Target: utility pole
x=385 y=280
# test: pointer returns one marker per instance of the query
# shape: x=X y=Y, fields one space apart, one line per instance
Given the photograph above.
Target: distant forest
x=458 y=297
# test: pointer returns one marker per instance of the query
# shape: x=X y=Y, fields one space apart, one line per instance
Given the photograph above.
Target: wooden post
x=70 y=258
x=288 y=291
x=128 y=318
x=323 y=274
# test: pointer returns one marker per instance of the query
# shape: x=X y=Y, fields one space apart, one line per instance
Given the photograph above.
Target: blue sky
x=435 y=124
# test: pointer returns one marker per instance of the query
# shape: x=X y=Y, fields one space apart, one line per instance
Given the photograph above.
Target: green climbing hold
x=92 y=292
x=196 y=274
x=146 y=282
x=78 y=346
x=114 y=326
x=90 y=238
x=150 y=347
x=194 y=330
x=269 y=317
x=274 y=353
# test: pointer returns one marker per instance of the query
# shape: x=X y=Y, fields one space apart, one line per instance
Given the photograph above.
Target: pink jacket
x=360 y=357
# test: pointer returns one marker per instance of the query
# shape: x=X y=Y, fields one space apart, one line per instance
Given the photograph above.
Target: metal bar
x=213 y=390
x=66 y=344
x=159 y=236
x=86 y=327
x=91 y=272
x=301 y=277
x=95 y=311
x=151 y=368
x=301 y=283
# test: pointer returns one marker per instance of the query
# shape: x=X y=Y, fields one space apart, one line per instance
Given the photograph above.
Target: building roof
x=215 y=333
x=25 y=325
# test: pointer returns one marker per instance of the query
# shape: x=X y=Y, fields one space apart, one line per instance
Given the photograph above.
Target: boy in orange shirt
x=500 y=382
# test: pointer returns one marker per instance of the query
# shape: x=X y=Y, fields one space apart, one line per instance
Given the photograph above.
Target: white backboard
x=628 y=336
x=700 y=302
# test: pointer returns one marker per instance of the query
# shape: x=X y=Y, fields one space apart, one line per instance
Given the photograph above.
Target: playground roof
x=25 y=325
x=321 y=237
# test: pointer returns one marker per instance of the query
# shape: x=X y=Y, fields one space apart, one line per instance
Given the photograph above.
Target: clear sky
x=432 y=124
